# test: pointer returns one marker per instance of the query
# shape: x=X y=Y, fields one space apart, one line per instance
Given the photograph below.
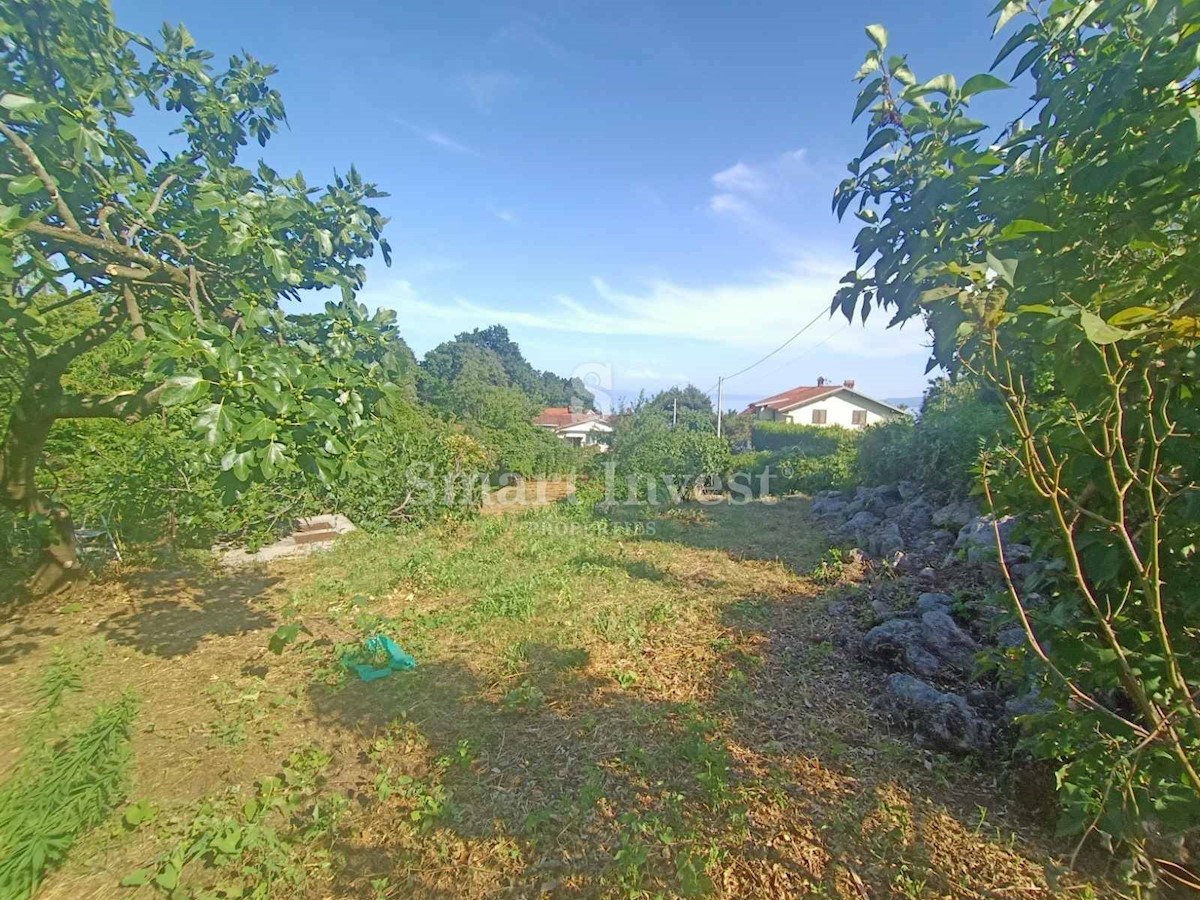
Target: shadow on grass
x=216 y=606
x=636 y=569
x=551 y=779
x=597 y=787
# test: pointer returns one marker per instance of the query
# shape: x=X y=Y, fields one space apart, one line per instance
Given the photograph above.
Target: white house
x=580 y=429
x=825 y=404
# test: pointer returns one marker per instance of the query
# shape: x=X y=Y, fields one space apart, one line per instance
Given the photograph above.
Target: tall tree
x=546 y=387
x=685 y=400
x=188 y=253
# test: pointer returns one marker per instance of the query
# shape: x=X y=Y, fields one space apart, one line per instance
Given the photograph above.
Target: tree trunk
x=60 y=562
x=24 y=442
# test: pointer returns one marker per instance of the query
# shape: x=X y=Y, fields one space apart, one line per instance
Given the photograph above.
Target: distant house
x=579 y=428
x=826 y=404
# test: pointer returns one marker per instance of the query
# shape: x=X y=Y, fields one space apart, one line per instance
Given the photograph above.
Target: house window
x=858 y=417
x=819 y=417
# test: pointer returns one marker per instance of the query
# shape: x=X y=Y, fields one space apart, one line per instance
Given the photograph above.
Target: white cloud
x=755 y=315
x=774 y=181
x=437 y=138
x=504 y=215
x=741 y=179
x=758 y=197
x=486 y=87
x=731 y=204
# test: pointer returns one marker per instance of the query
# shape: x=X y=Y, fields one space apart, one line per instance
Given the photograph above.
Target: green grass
x=599 y=714
x=66 y=783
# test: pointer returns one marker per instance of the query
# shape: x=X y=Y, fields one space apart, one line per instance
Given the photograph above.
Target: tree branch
x=135 y=314
x=92 y=336
x=43 y=176
x=131 y=232
x=135 y=265
x=128 y=406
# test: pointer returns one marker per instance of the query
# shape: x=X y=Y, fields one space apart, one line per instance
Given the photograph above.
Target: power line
x=805 y=328
x=791 y=361
x=721 y=381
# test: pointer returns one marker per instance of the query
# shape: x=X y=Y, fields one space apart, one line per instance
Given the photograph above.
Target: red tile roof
x=797 y=396
x=562 y=417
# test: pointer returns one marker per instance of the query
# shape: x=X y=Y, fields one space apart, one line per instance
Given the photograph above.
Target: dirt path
x=676 y=712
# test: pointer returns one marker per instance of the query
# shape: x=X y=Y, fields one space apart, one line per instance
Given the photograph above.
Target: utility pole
x=674 y=411
x=720 y=402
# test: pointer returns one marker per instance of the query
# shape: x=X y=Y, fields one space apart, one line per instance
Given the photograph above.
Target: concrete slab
x=313 y=534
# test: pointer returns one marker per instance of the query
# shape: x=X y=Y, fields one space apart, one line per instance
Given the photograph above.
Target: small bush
x=750 y=461
x=827 y=461
x=647 y=450
x=887 y=452
x=941 y=450
x=807 y=473
x=531 y=451
x=415 y=469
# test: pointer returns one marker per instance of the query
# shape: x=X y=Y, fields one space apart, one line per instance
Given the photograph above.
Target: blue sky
x=638 y=190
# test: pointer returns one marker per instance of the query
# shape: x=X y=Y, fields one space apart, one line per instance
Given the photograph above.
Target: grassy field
x=658 y=705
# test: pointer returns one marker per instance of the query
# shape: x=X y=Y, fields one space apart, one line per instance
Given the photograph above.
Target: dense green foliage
x=807 y=472
x=811 y=439
x=809 y=459
x=736 y=428
x=1057 y=263
x=543 y=388
x=687 y=406
x=653 y=459
x=482 y=380
x=942 y=448
x=187 y=255
x=152 y=383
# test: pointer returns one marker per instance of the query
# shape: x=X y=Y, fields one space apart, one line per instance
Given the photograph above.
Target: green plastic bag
x=364 y=662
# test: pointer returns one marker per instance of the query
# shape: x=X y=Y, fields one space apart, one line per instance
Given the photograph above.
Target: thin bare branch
x=43 y=176
x=1032 y=639
x=132 y=232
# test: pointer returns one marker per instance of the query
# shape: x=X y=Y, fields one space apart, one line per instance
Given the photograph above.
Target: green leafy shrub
x=589 y=494
x=811 y=440
x=259 y=846
x=646 y=450
x=1055 y=261
x=413 y=469
x=942 y=449
x=807 y=473
x=532 y=451
x=888 y=452
x=821 y=459
x=749 y=461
